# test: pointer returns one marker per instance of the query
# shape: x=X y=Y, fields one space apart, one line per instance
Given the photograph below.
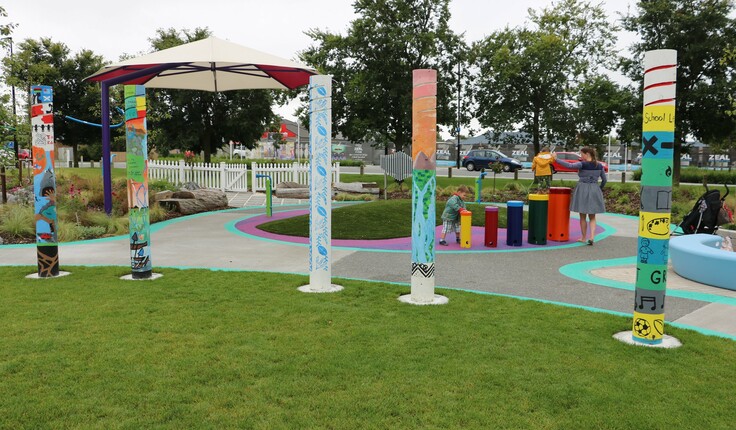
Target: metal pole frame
x=105 y=105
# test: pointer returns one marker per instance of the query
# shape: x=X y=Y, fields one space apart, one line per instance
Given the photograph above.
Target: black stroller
x=704 y=217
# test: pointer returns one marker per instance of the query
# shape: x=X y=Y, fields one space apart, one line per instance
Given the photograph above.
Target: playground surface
x=598 y=278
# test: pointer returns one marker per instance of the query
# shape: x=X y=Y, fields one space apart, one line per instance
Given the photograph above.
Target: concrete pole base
x=436 y=300
x=331 y=289
x=668 y=342
x=35 y=276
x=153 y=276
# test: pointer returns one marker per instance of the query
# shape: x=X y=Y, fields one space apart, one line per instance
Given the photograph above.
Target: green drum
x=538 y=204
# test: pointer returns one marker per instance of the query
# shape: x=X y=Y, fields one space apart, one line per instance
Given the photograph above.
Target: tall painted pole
x=658 y=137
x=136 y=145
x=424 y=184
x=320 y=186
x=44 y=180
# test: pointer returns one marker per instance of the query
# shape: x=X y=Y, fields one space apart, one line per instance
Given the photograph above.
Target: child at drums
x=451 y=214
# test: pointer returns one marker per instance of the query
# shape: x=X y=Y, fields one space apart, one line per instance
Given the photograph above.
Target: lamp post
x=457 y=129
x=12 y=96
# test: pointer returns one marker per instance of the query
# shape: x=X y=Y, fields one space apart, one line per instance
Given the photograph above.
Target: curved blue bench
x=698 y=257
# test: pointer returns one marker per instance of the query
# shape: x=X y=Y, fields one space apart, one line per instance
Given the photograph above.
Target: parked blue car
x=477 y=159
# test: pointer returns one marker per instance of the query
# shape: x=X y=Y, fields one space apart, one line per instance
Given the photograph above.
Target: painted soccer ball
x=642 y=327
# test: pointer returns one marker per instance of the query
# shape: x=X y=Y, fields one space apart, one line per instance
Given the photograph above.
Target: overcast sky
x=113 y=28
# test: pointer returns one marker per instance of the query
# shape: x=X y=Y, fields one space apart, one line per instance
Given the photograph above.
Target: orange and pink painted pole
x=424 y=184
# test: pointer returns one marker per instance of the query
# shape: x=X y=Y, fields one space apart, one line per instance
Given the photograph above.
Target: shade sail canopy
x=210 y=64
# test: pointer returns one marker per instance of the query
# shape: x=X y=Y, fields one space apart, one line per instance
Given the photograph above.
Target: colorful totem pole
x=136 y=140
x=658 y=137
x=424 y=184
x=320 y=186
x=44 y=180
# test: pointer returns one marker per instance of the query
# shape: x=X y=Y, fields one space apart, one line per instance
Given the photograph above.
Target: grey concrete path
x=209 y=241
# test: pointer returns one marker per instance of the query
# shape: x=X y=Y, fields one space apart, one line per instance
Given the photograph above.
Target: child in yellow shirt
x=541 y=166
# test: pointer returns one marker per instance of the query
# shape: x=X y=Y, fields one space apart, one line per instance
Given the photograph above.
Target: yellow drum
x=466 y=228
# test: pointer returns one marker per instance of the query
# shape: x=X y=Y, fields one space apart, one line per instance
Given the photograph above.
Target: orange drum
x=558 y=216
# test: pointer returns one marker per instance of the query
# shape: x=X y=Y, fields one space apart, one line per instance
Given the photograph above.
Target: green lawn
x=89 y=173
x=202 y=349
x=382 y=219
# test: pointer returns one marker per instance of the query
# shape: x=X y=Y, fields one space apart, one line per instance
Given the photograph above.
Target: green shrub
x=156 y=213
x=69 y=232
x=110 y=225
x=680 y=209
x=693 y=175
x=637 y=175
x=683 y=193
x=515 y=186
x=17 y=221
x=91 y=232
x=158 y=186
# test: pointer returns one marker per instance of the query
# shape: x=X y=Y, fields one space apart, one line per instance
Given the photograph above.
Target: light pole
x=12 y=96
x=457 y=129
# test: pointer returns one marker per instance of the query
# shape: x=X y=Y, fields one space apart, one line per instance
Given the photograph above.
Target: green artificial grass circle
x=381 y=219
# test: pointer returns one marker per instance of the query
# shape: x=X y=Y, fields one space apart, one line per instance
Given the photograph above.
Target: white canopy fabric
x=210 y=64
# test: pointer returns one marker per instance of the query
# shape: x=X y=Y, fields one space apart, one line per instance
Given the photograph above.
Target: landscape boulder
x=291 y=190
x=162 y=195
x=356 y=187
x=182 y=194
x=195 y=201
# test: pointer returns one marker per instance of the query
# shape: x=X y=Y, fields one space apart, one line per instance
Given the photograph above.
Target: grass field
x=376 y=220
x=202 y=349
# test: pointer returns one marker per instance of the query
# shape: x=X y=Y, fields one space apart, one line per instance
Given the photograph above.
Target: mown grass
x=202 y=349
x=382 y=219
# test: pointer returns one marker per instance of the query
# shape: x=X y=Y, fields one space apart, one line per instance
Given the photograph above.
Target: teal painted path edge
x=230 y=226
x=408 y=285
x=581 y=272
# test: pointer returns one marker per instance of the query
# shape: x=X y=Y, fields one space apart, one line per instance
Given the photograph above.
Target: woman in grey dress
x=587 y=198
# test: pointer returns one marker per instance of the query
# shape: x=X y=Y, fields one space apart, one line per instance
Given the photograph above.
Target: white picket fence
x=293 y=172
x=232 y=177
x=222 y=176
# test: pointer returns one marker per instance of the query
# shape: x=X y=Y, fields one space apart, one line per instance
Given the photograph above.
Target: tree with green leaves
x=700 y=31
x=532 y=76
x=599 y=103
x=372 y=67
x=46 y=62
x=5 y=29
x=8 y=122
x=204 y=121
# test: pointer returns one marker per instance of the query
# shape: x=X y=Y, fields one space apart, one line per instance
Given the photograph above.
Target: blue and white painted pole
x=320 y=186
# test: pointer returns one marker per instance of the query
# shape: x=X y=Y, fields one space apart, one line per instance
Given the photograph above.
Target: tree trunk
x=207 y=147
x=399 y=143
x=677 y=155
x=75 y=155
x=535 y=130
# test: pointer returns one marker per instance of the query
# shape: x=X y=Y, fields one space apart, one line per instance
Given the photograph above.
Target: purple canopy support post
x=105 y=104
x=106 y=172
